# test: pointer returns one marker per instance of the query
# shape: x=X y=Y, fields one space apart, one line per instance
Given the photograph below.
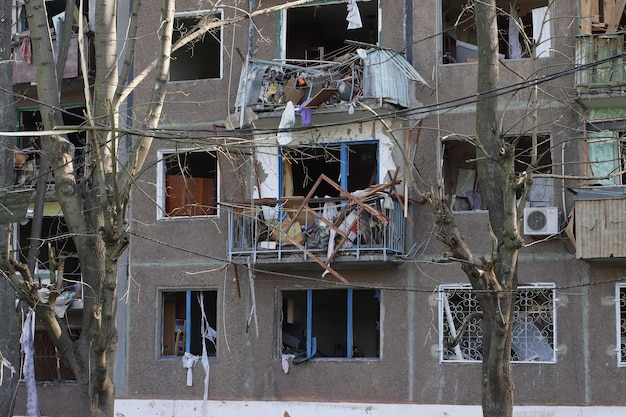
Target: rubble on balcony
x=357 y=73
x=367 y=224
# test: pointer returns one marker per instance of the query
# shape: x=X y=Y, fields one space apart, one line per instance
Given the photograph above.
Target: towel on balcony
x=26 y=51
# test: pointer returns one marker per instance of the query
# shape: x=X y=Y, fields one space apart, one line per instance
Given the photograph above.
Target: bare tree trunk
x=496 y=174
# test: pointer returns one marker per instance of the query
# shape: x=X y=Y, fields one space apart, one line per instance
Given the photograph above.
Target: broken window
x=354 y=166
x=185 y=315
x=56 y=248
x=521 y=24
x=331 y=323
x=202 y=58
x=28 y=157
x=620 y=296
x=319 y=31
x=606 y=153
x=533 y=334
x=461 y=180
x=188 y=183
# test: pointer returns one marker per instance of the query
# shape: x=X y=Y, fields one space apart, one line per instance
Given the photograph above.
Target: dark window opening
x=460 y=38
x=316 y=32
x=55 y=240
x=200 y=59
x=344 y=323
x=191 y=184
x=354 y=166
x=460 y=172
x=181 y=326
x=28 y=167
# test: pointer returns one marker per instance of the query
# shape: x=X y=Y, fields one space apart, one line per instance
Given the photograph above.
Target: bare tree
x=494 y=280
x=94 y=204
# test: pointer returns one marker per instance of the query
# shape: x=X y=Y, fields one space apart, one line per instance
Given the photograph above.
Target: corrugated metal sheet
x=600 y=229
x=387 y=75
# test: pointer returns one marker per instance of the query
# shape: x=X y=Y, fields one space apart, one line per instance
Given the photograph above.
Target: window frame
x=189 y=299
x=161 y=194
x=545 y=31
x=281 y=45
x=350 y=345
x=344 y=159
x=219 y=14
x=467 y=287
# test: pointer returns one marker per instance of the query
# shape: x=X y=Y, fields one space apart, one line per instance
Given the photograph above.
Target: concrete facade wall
x=190 y=253
x=248 y=367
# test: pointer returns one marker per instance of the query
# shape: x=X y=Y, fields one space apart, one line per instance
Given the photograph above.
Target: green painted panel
x=603 y=156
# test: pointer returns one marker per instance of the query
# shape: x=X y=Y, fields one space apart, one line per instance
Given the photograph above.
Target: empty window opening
x=181 y=326
x=514 y=40
x=190 y=187
x=354 y=166
x=200 y=59
x=55 y=244
x=533 y=333
x=460 y=172
x=319 y=32
x=27 y=171
x=331 y=323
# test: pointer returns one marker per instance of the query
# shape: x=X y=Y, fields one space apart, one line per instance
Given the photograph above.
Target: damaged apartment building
x=282 y=258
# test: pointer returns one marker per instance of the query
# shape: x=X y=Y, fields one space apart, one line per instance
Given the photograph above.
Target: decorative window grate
x=533 y=333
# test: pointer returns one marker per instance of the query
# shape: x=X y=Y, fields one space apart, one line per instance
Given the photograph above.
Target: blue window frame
x=354 y=165
x=342 y=323
x=181 y=321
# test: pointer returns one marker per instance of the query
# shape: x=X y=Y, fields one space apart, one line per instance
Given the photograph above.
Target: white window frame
x=445 y=315
x=620 y=314
x=219 y=13
x=161 y=213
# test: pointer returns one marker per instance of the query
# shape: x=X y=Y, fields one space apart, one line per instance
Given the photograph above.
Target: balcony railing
x=283 y=231
x=602 y=63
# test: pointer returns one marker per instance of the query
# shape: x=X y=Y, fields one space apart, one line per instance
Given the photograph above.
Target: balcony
x=368 y=228
x=601 y=81
x=600 y=224
x=376 y=74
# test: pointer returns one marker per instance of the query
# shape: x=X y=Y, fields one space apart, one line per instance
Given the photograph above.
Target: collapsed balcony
x=364 y=73
x=363 y=226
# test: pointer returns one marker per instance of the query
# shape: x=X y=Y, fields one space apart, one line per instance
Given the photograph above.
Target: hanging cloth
x=287 y=120
x=207 y=333
x=189 y=361
x=28 y=348
x=354 y=17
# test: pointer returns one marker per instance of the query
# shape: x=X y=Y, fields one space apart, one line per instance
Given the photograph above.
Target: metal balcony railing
x=277 y=231
x=601 y=63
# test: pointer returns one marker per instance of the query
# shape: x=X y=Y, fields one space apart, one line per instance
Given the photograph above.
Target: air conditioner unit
x=541 y=221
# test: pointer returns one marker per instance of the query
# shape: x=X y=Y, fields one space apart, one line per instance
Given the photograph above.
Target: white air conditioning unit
x=541 y=221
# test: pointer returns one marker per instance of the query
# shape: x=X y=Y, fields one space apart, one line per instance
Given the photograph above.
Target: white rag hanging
x=4 y=363
x=189 y=361
x=28 y=348
x=207 y=333
x=285 y=358
x=354 y=17
x=287 y=120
